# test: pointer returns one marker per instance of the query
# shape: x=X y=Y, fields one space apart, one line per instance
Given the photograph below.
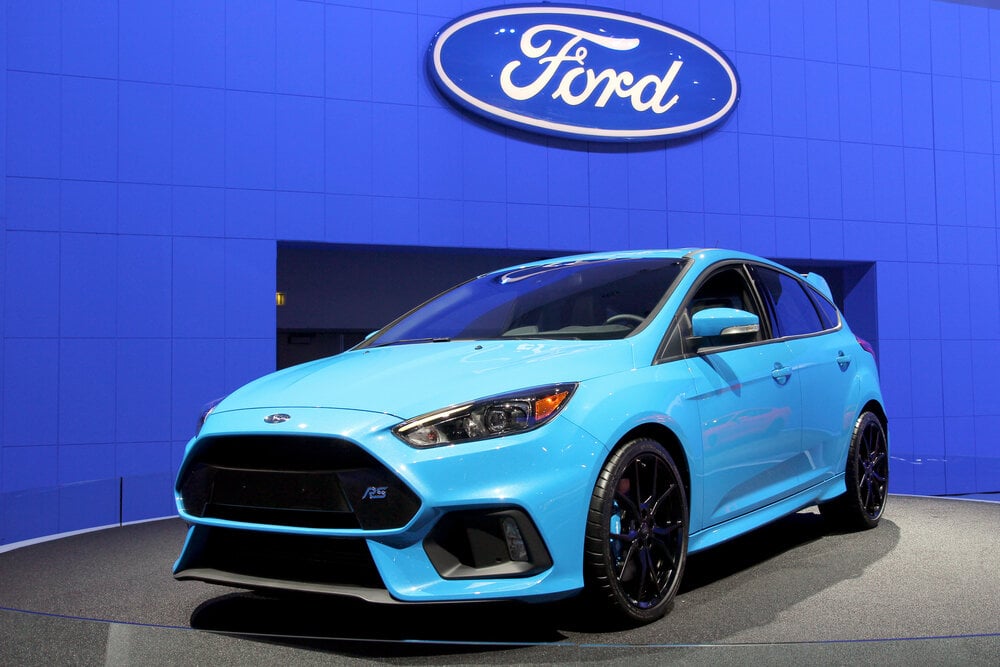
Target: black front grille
x=298 y=481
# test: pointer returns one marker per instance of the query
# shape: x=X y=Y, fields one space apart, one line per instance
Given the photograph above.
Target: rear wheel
x=867 y=477
x=636 y=542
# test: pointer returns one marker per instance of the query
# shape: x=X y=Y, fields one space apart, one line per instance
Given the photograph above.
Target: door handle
x=781 y=373
x=844 y=360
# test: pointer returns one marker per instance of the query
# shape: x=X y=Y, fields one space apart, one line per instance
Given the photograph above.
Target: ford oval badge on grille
x=583 y=72
x=277 y=418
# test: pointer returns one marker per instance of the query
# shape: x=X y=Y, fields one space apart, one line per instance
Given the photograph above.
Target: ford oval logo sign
x=583 y=72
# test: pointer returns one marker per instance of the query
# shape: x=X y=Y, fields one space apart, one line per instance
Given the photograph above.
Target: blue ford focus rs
x=576 y=425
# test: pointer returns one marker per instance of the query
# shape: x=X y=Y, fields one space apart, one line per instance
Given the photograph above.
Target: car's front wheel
x=867 y=477
x=637 y=532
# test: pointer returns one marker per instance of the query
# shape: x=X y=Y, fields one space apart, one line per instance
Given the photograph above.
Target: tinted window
x=827 y=312
x=727 y=288
x=793 y=310
x=589 y=299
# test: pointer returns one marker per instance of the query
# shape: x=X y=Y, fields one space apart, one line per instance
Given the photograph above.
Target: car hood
x=409 y=380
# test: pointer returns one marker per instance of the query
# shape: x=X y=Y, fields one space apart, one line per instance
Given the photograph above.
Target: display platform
x=922 y=588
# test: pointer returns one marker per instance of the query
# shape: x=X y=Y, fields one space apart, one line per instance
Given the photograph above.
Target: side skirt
x=709 y=537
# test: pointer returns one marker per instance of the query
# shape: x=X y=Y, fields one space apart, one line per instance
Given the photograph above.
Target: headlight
x=488 y=418
x=205 y=412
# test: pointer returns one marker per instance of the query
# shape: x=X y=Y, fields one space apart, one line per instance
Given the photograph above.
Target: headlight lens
x=205 y=412
x=488 y=418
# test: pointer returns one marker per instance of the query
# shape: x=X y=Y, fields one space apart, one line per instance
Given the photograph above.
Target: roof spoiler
x=819 y=282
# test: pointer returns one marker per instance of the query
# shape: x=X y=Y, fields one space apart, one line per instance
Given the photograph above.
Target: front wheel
x=637 y=532
x=867 y=477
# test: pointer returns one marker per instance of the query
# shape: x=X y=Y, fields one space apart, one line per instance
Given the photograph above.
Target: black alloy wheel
x=867 y=477
x=637 y=532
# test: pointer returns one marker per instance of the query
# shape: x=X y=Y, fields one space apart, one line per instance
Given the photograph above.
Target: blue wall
x=155 y=152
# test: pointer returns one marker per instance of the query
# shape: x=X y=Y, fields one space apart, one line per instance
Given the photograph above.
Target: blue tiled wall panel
x=31 y=284
x=753 y=26
x=32 y=204
x=89 y=128
x=484 y=165
x=915 y=36
x=886 y=107
x=300 y=216
x=608 y=228
x=299 y=144
x=145 y=40
x=440 y=170
x=249 y=288
x=720 y=164
x=250 y=140
x=199 y=136
x=568 y=174
x=89 y=39
x=820 y=40
x=394 y=220
x=88 y=504
x=349 y=146
x=788 y=97
x=250 y=45
x=142 y=383
x=30 y=392
x=155 y=153
x=144 y=209
x=87 y=391
x=33 y=36
x=945 y=20
x=754 y=110
x=144 y=132
x=888 y=165
x=197 y=378
x=250 y=214
x=395 y=57
x=198 y=288
x=33 y=115
x=439 y=222
x=198 y=211
x=787 y=28
x=685 y=179
x=918 y=109
x=88 y=206
x=299 y=57
x=485 y=223
x=199 y=42
x=348 y=53
x=647 y=229
x=884 y=34
x=87 y=285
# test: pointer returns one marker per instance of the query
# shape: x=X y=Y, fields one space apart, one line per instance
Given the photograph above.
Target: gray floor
x=922 y=588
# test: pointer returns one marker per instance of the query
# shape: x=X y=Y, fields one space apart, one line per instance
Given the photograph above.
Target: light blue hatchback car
x=571 y=425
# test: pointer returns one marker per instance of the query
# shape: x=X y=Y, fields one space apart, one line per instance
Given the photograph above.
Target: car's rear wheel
x=637 y=532
x=867 y=477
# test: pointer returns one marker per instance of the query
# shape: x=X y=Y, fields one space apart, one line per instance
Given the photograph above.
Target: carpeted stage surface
x=923 y=588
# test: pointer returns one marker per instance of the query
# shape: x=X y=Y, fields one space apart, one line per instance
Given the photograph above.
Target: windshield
x=586 y=299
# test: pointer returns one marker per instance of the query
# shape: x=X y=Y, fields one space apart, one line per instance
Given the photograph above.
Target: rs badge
x=375 y=493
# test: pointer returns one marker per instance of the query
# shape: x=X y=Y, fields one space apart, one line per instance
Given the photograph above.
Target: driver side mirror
x=715 y=327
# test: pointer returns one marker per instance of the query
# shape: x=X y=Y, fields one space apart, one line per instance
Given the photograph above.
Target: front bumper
x=404 y=525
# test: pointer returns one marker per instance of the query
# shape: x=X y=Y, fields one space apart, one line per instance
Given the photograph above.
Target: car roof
x=703 y=256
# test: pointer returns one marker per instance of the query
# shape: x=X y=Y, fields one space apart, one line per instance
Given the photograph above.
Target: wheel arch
x=669 y=440
x=876 y=409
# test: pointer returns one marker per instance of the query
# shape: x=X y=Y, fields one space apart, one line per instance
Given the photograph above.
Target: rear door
x=822 y=362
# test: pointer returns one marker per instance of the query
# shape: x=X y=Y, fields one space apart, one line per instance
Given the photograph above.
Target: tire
x=867 y=477
x=637 y=533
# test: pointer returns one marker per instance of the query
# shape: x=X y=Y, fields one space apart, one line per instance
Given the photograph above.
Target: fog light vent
x=486 y=544
x=515 y=541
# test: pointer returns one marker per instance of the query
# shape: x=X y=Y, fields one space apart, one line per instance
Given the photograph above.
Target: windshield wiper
x=406 y=341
